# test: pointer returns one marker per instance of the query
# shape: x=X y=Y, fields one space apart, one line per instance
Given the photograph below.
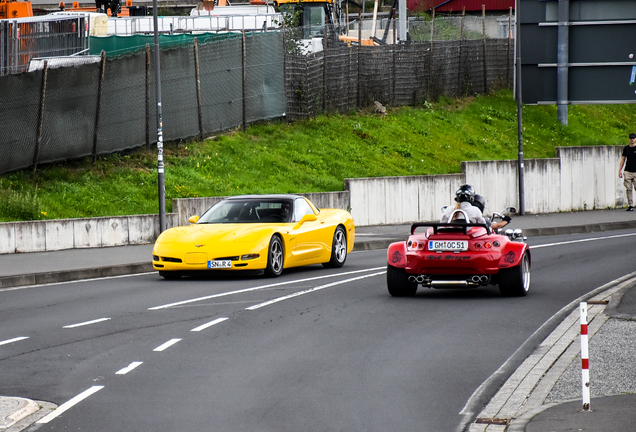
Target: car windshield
x=248 y=211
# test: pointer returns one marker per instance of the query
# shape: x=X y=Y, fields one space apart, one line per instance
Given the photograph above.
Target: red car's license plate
x=448 y=245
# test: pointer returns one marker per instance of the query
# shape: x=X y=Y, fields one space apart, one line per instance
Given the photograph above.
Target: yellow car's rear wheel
x=275 y=257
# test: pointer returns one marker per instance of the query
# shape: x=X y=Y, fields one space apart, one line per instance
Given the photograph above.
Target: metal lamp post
x=160 y=165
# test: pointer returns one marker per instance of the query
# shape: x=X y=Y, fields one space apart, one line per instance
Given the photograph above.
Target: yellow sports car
x=256 y=232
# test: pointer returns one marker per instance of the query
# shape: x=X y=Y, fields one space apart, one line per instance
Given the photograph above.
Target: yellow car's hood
x=217 y=233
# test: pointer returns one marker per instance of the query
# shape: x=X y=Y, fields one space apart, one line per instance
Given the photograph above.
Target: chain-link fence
x=24 y=38
x=345 y=78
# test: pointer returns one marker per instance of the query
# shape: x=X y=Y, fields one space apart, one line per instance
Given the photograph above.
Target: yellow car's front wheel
x=275 y=257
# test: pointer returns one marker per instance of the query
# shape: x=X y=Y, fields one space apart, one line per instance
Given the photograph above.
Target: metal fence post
x=102 y=68
x=483 y=30
x=38 y=141
x=324 y=66
x=148 y=95
x=198 y=83
x=244 y=83
x=460 y=90
x=359 y=56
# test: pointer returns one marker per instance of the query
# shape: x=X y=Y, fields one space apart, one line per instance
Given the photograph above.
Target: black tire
x=397 y=281
x=275 y=257
x=170 y=275
x=338 y=249
x=515 y=282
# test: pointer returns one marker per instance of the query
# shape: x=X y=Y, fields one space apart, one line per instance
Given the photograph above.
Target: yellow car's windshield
x=248 y=211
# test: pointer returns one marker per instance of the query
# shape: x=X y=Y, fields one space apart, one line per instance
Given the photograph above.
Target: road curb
x=72 y=275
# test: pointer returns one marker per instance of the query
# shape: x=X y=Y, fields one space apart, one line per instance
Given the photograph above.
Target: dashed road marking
x=166 y=345
x=8 y=341
x=128 y=368
x=86 y=323
x=210 y=324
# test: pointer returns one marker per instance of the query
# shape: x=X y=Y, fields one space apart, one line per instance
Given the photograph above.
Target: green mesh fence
x=65 y=116
x=115 y=46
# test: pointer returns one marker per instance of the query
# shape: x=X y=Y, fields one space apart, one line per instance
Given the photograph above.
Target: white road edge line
x=86 y=323
x=582 y=240
x=166 y=306
x=66 y=405
x=210 y=324
x=166 y=345
x=128 y=368
x=299 y=293
x=8 y=341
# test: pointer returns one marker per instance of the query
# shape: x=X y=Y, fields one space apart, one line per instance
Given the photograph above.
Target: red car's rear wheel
x=515 y=282
x=397 y=281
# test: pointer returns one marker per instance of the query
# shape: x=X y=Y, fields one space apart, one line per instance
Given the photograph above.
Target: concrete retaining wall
x=578 y=178
x=50 y=235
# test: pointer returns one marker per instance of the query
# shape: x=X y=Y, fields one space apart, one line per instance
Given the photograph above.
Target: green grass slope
x=309 y=156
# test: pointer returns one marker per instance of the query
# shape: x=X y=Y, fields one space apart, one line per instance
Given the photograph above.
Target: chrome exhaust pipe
x=446 y=283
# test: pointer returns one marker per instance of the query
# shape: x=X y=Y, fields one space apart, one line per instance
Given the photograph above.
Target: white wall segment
x=59 y=234
x=30 y=236
x=7 y=237
x=579 y=178
x=87 y=233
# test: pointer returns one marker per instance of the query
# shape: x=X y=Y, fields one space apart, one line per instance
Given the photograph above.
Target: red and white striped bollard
x=585 y=363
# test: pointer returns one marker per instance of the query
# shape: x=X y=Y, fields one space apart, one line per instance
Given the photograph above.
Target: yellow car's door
x=309 y=234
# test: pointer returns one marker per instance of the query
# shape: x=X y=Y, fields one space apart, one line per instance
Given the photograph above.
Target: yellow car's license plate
x=219 y=264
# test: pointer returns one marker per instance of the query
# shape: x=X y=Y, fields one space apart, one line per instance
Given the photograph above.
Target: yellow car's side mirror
x=307 y=218
x=193 y=219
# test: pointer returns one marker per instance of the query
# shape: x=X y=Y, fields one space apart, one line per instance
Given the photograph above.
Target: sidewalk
x=523 y=404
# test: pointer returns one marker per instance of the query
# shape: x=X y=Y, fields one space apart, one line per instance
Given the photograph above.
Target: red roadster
x=459 y=255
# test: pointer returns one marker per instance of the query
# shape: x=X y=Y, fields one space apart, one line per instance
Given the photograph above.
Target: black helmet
x=465 y=193
x=479 y=202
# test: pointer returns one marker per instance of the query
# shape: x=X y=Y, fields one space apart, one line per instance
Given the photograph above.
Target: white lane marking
x=8 y=341
x=86 y=323
x=166 y=345
x=210 y=324
x=299 y=293
x=128 y=368
x=583 y=240
x=66 y=405
x=166 y=306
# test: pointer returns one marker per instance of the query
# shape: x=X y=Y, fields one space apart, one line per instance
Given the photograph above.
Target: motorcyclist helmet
x=479 y=202
x=465 y=193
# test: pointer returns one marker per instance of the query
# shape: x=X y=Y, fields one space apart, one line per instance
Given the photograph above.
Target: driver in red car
x=480 y=203
x=473 y=206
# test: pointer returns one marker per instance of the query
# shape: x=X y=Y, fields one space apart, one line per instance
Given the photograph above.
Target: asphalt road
x=340 y=355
